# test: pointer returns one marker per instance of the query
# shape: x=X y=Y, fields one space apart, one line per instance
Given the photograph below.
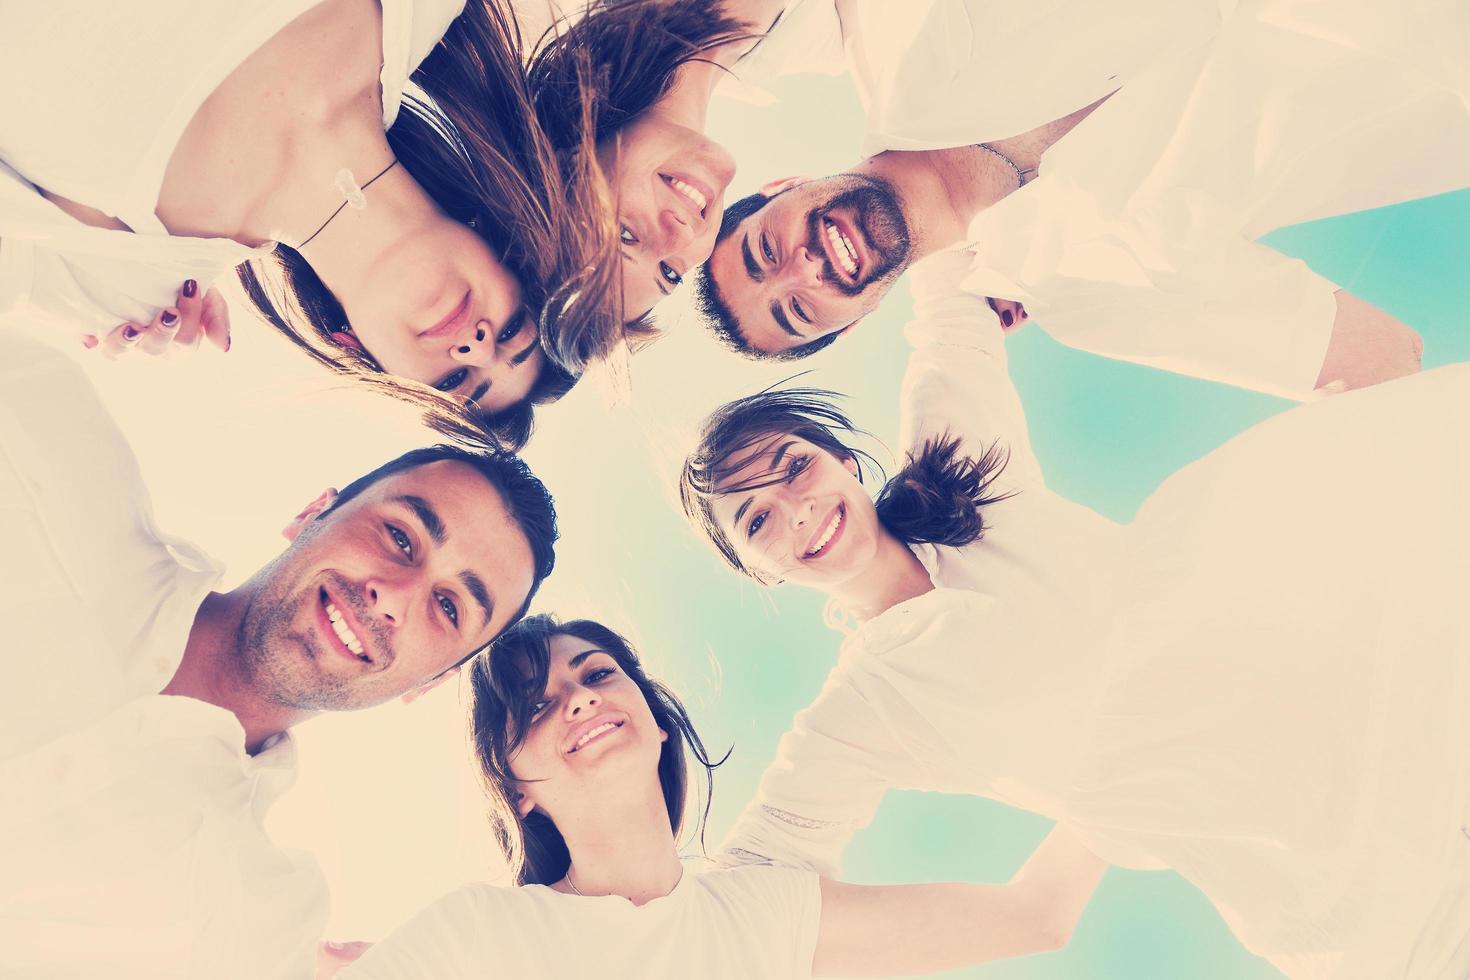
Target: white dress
x=131 y=823
x=1259 y=683
x=1230 y=120
x=733 y=924
x=121 y=82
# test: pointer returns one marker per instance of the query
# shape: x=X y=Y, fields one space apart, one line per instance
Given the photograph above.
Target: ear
x=346 y=338
x=663 y=736
x=524 y=805
x=851 y=462
x=308 y=514
x=410 y=697
x=773 y=187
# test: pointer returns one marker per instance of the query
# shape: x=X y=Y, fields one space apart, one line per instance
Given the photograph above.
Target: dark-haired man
x=1167 y=137
x=144 y=722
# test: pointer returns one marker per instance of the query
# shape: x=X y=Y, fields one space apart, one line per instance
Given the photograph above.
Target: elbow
x=1053 y=929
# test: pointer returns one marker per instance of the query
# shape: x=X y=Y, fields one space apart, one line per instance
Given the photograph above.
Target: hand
x=333 y=956
x=182 y=326
x=1012 y=314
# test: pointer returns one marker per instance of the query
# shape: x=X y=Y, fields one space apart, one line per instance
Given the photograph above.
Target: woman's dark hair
x=937 y=497
x=474 y=144
x=505 y=681
x=626 y=53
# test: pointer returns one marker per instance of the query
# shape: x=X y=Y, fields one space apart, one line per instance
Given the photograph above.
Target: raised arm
x=891 y=930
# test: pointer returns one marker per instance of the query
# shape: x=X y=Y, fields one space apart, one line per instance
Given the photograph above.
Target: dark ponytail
x=939 y=496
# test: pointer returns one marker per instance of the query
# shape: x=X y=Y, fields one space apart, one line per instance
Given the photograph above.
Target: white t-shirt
x=750 y=923
x=131 y=830
x=1137 y=240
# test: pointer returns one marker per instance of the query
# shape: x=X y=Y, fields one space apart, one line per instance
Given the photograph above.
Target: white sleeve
x=830 y=772
x=778 y=911
x=807 y=39
x=957 y=380
x=446 y=941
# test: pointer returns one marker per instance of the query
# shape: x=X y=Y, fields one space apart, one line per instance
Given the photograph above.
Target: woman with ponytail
x=586 y=761
x=1259 y=682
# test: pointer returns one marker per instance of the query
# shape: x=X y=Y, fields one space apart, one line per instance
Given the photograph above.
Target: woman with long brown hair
x=586 y=761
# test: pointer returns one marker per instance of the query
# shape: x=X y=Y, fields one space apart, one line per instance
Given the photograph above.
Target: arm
x=889 y=930
x=1367 y=346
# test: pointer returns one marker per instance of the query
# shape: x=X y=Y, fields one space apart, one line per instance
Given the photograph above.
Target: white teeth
x=344 y=633
x=589 y=736
x=821 y=542
x=842 y=248
x=695 y=198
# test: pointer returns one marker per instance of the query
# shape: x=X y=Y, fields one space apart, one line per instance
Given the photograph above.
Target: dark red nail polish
x=190 y=287
x=228 y=341
x=130 y=332
x=1007 y=317
x=170 y=318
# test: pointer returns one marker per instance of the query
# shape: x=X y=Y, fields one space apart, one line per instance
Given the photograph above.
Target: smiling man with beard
x=144 y=722
x=1110 y=166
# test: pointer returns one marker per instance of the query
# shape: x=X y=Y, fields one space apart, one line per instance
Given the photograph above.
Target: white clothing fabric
x=755 y=923
x=130 y=823
x=1258 y=683
x=121 y=83
x=1137 y=239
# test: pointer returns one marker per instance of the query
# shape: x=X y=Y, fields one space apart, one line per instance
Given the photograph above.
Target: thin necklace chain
x=344 y=204
x=573 y=885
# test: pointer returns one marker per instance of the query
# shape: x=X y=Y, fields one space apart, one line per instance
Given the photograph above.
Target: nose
x=675 y=231
x=582 y=701
x=802 y=268
x=388 y=598
x=475 y=346
x=801 y=507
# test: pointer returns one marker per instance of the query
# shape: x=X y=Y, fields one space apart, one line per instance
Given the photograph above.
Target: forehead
x=480 y=535
x=753 y=465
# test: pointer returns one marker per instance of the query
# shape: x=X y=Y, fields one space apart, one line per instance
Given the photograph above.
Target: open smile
x=691 y=191
x=337 y=629
x=593 y=731
x=828 y=534
x=452 y=321
x=839 y=241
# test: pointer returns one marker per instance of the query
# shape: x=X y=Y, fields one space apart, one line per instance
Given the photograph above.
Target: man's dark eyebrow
x=427 y=517
x=576 y=661
x=475 y=587
x=779 y=315
x=752 y=268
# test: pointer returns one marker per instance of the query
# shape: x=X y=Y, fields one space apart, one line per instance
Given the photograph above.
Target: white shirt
x=755 y=923
x=1137 y=239
x=127 y=79
x=130 y=823
x=1257 y=683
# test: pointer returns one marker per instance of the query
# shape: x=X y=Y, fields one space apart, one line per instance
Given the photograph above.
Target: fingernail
x=190 y=287
x=332 y=944
x=228 y=341
x=1007 y=317
x=130 y=333
x=170 y=318
x=89 y=341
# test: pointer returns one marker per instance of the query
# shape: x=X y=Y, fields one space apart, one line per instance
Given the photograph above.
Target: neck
x=213 y=670
x=626 y=848
x=894 y=575
x=942 y=191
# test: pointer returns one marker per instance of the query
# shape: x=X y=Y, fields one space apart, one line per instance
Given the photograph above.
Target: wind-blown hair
x=627 y=53
x=715 y=311
x=938 y=497
x=505 y=681
x=474 y=144
x=525 y=497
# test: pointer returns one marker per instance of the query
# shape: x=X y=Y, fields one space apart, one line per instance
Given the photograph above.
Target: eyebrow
x=526 y=352
x=576 y=661
x=779 y=315
x=776 y=457
x=476 y=588
x=427 y=516
x=752 y=268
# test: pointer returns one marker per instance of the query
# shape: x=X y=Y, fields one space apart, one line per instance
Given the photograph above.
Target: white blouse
x=730 y=924
x=130 y=823
x=1230 y=120
x=121 y=83
x=1259 y=683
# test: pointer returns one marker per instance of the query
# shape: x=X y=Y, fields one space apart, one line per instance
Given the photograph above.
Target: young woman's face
x=669 y=181
x=814 y=525
x=446 y=312
x=592 y=733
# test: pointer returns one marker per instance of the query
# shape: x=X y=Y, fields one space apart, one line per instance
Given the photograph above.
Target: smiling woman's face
x=669 y=181
x=447 y=313
x=813 y=524
x=592 y=732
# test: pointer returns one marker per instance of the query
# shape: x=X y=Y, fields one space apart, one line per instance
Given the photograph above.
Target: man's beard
x=878 y=216
x=280 y=663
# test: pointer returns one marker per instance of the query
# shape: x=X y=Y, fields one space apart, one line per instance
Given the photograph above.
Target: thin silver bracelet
x=1021 y=175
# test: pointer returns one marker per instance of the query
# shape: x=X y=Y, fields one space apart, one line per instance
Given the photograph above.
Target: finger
x=160 y=332
x=215 y=319
x=123 y=338
x=190 y=307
